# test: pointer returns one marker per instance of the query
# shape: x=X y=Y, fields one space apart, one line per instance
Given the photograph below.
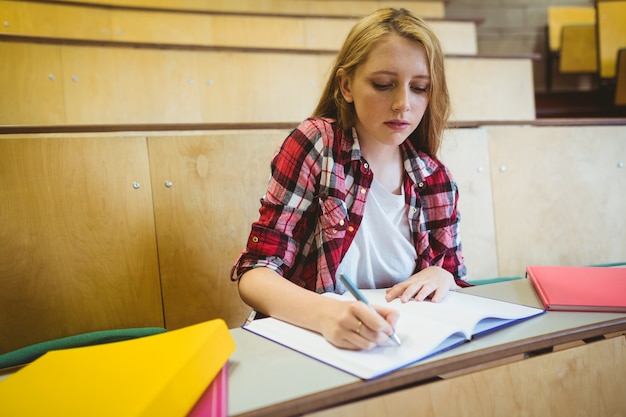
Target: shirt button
x=255 y=239
x=341 y=222
x=334 y=230
x=421 y=185
x=413 y=210
x=351 y=228
x=363 y=190
x=366 y=165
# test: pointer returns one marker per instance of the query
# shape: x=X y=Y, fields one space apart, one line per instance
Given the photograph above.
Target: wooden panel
x=282 y=87
x=611 y=34
x=208 y=30
x=582 y=381
x=558 y=195
x=620 y=79
x=126 y=85
x=564 y=15
x=118 y=85
x=579 y=49
x=77 y=247
x=32 y=85
x=200 y=29
x=491 y=88
x=52 y=20
x=327 y=33
x=319 y=7
x=466 y=153
x=160 y=27
x=203 y=219
x=457 y=38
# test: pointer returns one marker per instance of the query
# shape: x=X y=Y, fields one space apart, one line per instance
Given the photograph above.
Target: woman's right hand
x=345 y=324
x=353 y=325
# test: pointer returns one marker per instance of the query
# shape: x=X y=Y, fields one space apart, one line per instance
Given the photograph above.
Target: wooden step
x=150 y=27
x=67 y=84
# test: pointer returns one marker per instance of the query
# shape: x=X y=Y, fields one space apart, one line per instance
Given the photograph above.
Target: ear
x=344 y=83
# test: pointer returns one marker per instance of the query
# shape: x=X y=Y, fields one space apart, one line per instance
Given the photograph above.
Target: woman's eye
x=380 y=86
x=420 y=89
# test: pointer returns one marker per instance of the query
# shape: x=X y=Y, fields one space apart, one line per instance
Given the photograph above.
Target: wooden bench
x=423 y=8
x=155 y=27
x=87 y=83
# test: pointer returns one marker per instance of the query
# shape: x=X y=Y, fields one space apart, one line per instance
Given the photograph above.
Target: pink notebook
x=214 y=401
x=580 y=288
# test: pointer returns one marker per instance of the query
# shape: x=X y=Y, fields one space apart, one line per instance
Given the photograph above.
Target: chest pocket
x=334 y=218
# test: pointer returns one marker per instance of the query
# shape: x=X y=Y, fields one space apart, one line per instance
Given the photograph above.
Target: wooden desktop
x=571 y=361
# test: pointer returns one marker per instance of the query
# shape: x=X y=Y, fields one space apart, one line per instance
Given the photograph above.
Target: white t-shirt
x=382 y=253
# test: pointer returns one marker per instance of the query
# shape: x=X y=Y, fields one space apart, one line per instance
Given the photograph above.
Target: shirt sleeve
x=284 y=223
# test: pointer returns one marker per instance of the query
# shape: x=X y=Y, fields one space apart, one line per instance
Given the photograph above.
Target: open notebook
x=425 y=328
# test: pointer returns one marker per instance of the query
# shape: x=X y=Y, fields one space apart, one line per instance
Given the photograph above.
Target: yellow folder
x=159 y=375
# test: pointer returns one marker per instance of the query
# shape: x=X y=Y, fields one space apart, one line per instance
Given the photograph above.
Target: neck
x=387 y=165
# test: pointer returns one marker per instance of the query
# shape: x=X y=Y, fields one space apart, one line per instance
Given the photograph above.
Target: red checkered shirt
x=315 y=202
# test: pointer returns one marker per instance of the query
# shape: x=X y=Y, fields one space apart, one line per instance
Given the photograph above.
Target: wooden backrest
x=611 y=34
x=466 y=153
x=563 y=15
x=557 y=193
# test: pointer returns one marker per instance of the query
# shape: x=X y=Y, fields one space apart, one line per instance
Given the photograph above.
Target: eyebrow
x=385 y=72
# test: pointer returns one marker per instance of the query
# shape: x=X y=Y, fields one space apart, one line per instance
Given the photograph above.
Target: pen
x=359 y=296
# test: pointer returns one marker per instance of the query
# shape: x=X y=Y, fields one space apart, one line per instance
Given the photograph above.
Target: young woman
x=357 y=189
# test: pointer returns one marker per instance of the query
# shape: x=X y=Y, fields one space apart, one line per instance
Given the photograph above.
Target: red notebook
x=580 y=288
x=214 y=401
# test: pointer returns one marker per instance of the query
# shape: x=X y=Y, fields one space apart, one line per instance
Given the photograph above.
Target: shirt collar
x=417 y=164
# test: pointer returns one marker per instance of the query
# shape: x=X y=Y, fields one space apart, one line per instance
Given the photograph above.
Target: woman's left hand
x=433 y=282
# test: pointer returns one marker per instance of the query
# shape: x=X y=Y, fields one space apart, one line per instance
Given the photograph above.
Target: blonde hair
x=355 y=50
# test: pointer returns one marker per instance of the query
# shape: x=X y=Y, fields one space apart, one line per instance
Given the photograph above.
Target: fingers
x=432 y=282
x=420 y=290
x=363 y=329
x=390 y=315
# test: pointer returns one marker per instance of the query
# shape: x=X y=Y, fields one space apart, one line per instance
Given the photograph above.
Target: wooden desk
x=267 y=379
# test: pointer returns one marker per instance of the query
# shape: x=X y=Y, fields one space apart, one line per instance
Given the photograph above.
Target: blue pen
x=359 y=296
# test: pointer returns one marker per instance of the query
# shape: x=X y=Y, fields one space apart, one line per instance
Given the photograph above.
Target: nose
x=401 y=100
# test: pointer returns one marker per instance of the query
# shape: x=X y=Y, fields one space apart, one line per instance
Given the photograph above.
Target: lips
x=397 y=124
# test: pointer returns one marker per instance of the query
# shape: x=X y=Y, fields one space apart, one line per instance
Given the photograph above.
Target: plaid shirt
x=315 y=202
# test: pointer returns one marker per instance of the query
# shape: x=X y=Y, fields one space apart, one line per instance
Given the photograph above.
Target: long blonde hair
x=355 y=50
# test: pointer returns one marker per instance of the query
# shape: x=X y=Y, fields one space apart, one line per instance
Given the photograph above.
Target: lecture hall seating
x=130 y=55
x=575 y=21
x=585 y=40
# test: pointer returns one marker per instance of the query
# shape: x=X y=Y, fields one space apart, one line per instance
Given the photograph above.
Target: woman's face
x=389 y=90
